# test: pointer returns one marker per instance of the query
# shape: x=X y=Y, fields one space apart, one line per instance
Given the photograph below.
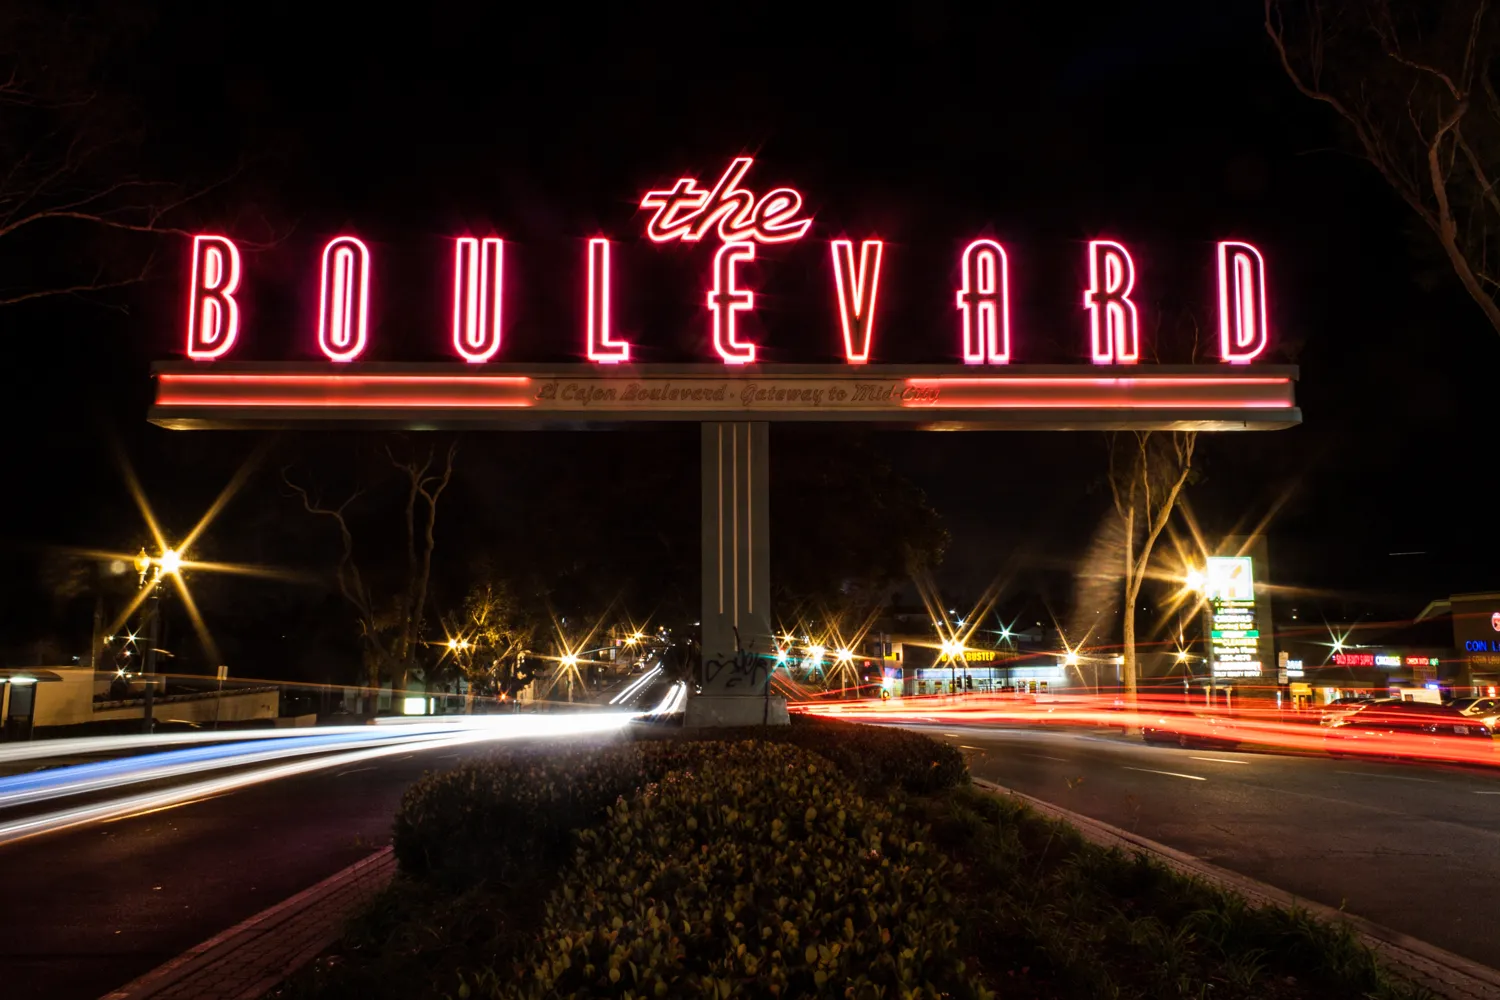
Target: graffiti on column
x=744 y=670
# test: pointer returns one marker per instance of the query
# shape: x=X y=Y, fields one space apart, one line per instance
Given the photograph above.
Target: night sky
x=927 y=126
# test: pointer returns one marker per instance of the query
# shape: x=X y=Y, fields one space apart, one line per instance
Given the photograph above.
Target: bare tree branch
x=66 y=152
x=1405 y=85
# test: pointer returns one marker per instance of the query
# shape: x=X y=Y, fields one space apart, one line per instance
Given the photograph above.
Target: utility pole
x=95 y=644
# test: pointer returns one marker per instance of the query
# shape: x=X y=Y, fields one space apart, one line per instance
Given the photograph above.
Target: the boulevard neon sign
x=689 y=212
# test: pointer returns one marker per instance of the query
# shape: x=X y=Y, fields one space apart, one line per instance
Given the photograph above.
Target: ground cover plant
x=832 y=859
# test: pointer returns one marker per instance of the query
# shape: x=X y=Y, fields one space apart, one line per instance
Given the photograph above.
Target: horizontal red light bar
x=1095 y=392
x=355 y=391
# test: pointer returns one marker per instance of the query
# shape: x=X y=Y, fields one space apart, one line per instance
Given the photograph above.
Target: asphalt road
x=1413 y=847
x=87 y=910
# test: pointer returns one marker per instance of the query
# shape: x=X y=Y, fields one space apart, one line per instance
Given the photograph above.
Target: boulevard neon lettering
x=478 y=271
x=344 y=299
x=213 y=314
x=984 y=300
x=726 y=299
x=1113 y=325
x=599 y=344
x=690 y=213
x=856 y=290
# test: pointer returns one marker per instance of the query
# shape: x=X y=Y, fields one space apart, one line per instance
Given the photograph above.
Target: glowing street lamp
x=169 y=563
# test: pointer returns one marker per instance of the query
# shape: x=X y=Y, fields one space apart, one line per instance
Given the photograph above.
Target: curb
x=253 y=956
x=1444 y=973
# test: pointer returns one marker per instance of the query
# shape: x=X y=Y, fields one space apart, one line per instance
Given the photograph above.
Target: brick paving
x=247 y=960
x=1449 y=976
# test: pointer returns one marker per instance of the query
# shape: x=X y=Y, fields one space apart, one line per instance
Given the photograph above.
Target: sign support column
x=739 y=651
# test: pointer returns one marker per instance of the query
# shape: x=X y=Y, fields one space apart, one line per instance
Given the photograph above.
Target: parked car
x=1190 y=729
x=1486 y=710
x=1341 y=707
x=1393 y=728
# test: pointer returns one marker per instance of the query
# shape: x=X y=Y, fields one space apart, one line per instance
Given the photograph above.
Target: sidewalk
x=249 y=959
x=1447 y=975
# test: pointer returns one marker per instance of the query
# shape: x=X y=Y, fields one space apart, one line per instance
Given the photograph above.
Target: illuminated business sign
x=741 y=225
x=1229 y=585
x=1386 y=661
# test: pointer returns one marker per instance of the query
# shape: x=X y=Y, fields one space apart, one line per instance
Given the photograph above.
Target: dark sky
x=928 y=125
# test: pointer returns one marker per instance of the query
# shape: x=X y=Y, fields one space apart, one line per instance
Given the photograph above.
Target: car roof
x=1410 y=707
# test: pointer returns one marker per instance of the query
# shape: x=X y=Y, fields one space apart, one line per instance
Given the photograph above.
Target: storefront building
x=1476 y=635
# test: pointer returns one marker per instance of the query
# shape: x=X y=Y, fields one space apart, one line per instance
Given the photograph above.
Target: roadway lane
x=1416 y=848
x=84 y=911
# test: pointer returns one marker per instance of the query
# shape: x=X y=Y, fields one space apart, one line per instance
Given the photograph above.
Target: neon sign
x=1112 y=317
x=856 y=290
x=599 y=344
x=478 y=272
x=344 y=300
x=726 y=299
x=213 y=314
x=984 y=300
x=689 y=212
x=1242 y=303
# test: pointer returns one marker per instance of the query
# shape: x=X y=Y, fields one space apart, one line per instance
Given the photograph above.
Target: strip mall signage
x=739 y=220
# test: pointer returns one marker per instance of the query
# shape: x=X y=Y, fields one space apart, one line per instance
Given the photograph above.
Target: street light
x=169 y=563
x=815 y=655
x=953 y=651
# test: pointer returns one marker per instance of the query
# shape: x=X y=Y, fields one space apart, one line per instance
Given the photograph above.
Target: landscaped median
x=821 y=859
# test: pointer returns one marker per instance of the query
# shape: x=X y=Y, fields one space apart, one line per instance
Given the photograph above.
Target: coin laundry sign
x=730 y=212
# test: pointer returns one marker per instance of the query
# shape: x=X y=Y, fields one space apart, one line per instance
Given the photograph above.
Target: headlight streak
x=635 y=686
x=80 y=779
x=468 y=729
x=1262 y=728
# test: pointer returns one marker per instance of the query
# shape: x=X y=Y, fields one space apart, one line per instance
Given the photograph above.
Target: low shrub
x=760 y=872
x=879 y=758
x=517 y=807
x=1050 y=915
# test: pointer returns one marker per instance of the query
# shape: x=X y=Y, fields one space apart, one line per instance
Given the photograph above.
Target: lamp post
x=169 y=563
x=952 y=650
x=1197 y=582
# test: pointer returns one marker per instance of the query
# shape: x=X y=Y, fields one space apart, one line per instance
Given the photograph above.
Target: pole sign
x=738 y=220
x=1234 y=635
